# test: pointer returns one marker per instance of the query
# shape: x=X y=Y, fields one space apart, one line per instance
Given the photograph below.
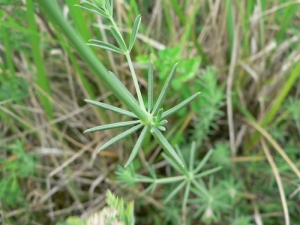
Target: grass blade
x=42 y=78
x=166 y=145
x=137 y=146
x=164 y=90
x=179 y=106
x=80 y=21
x=150 y=84
x=111 y=108
x=111 y=126
x=107 y=46
x=135 y=29
x=118 y=38
x=121 y=85
x=120 y=136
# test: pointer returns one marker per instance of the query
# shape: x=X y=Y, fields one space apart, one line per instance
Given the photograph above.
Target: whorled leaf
x=135 y=29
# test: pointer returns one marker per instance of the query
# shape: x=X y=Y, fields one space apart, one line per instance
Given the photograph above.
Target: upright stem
x=52 y=10
x=133 y=74
x=135 y=81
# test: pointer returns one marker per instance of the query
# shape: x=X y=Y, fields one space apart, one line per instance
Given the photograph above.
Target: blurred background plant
x=243 y=56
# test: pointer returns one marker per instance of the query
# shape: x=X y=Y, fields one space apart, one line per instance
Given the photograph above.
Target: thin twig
x=278 y=180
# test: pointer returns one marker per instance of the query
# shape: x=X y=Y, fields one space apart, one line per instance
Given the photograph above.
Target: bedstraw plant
x=152 y=119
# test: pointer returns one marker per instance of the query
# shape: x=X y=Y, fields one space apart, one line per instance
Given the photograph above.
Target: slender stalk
x=135 y=81
x=133 y=74
x=53 y=11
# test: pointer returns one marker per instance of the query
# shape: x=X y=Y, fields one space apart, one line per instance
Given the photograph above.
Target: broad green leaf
x=164 y=90
x=92 y=8
x=120 y=136
x=111 y=126
x=150 y=85
x=179 y=106
x=111 y=108
x=135 y=29
x=174 y=192
x=104 y=45
x=118 y=38
x=137 y=146
x=165 y=145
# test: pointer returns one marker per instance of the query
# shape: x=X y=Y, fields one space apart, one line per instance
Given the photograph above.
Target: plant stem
x=52 y=10
x=135 y=81
x=133 y=74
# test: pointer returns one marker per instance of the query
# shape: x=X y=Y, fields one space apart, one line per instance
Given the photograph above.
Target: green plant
x=118 y=212
x=217 y=198
x=154 y=118
x=11 y=192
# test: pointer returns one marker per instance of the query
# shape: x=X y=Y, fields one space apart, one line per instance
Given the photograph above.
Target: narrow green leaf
x=118 y=38
x=161 y=128
x=192 y=156
x=164 y=90
x=179 y=169
x=135 y=30
x=104 y=45
x=150 y=84
x=179 y=106
x=169 y=180
x=41 y=74
x=150 y=189
x=109 y=6
x=99 y=2
x=208 y=172
x=159 y=114
x=166 y=145
x=178 y=151
x=174 y=192
x=163 y=122
x=120 y=136
x=52 y=10
x=201 y=188
x=137 y=146
x=92 y=8
x=111 y=126
x=186 y=194
x=111 y=108
x=204 y=160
